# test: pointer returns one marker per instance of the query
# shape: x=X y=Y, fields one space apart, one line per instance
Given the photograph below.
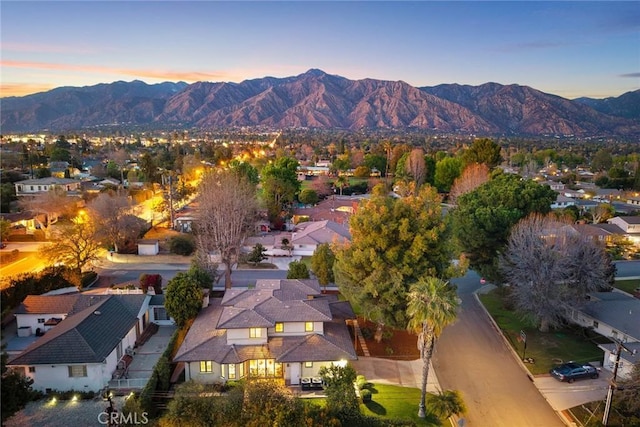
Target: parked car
x=572 y=371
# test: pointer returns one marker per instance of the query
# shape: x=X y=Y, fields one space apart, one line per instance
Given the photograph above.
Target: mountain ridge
x=316 y=99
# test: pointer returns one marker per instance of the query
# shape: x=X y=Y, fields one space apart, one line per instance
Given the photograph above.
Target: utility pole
x=171 y=200
x=612 y=384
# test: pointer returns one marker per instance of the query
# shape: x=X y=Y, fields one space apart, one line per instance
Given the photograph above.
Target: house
x=308 y=235
x=562 y=202
x=606 y=233
x=280 y=329
x=157 y=312
x=554 y=185
x=83 y=350
x=634 y=201
x=613 y=315
x=630 y=225
x=32 y=187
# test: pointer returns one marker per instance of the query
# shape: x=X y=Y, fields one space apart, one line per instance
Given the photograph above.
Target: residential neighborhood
x=307 y=268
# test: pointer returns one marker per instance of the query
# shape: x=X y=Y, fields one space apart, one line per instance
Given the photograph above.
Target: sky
x=570 y=49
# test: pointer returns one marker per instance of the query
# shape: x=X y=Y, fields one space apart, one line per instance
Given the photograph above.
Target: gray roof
x=318 y=232
x=625 y=355
x=616 y=309
x=203 y=342
x=51 y=180
x=273 y=301
x=87 y=336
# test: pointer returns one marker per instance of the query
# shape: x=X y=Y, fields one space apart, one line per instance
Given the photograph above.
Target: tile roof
x=88 y=336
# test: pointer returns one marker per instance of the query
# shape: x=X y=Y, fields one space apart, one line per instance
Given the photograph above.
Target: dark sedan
x=571 y=371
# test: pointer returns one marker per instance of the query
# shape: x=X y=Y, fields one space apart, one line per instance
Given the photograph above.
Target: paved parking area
x=562 y=396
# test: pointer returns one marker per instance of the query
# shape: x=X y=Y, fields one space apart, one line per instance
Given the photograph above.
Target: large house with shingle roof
x=82 y=350
x=280 y=329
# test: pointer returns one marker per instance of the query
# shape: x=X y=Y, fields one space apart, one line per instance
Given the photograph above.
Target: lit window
x=308 y=326
x=308 y=364
x=279 y=327
x=255 y=332
x=206 y=366
x=77 y=371
x=232 y=372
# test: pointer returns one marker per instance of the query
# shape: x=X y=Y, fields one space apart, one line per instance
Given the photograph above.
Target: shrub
x=182 y=245
x=361 y=382
x=366 y=395
x=88 y=277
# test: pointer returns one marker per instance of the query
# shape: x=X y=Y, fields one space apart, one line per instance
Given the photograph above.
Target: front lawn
x=546 y=348
x=627 y=285
x=391 y=401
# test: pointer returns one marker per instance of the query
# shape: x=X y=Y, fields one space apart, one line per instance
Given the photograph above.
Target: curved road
x=473 y=358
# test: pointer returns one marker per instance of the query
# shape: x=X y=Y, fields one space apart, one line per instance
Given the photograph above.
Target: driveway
x=562 y=396
x=396 y=372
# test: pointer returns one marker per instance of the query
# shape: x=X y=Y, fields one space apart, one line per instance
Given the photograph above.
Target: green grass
x=390 y=401
x=627 y=285
x=547 y=348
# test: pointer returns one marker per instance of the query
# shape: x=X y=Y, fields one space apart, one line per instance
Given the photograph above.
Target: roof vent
x=97 y=313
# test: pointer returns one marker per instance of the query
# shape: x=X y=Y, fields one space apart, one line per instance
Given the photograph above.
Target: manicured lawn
x=546 y=348
x=392 y=401
x=627 y=285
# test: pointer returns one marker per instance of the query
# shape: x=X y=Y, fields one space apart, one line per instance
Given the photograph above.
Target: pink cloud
x=187 y=76
x=22 y=89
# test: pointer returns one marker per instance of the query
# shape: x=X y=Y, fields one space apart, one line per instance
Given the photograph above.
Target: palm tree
x=444 y=404
x=342 y=182
x=432 y=305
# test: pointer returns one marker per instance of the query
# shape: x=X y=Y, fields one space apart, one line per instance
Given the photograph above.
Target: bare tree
x=602 y=212
x=227 y=214
x=117 y=224
x=74 y=245
x=322 y=186
x=473 y=176
x=551 y=268
x=416 y=167
x=48 y=207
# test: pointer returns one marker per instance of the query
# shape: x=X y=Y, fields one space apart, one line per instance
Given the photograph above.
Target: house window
x=77 y=371
x=32 y=369
x=279 y=327
x=265 y=368
x=206 y=366
x=31 y=187
x=255 y=332
x=308 y=364
x=308 y=326
x=595 y=324
x=159 y=313
x=41 y=320
x=232 y=372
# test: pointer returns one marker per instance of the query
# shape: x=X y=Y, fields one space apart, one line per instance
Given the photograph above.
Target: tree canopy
x=279 y=186
x=551 y=268
x=183 y=298
x=394 y=242
x=483 y=218
x=322 y=262
x=483 y=151
x=298 y=270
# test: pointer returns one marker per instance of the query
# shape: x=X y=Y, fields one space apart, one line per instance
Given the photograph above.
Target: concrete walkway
x=395 y=372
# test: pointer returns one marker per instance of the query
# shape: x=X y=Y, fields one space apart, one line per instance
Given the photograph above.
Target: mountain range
x=316 y=99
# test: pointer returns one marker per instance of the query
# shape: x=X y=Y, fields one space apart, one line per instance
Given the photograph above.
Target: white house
x=613 y=315
x=82 y=351
x=281 y=329
x=31 y=187
x=630 y=225
x=562 y=202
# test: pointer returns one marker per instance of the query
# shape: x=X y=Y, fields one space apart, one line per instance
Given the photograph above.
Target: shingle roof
x=620 y=311
x=318 y=232
x=204 y=342
x=87 y=336
x=47 y=304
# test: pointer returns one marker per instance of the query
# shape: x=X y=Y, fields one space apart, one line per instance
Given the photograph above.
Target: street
x=473 y=358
